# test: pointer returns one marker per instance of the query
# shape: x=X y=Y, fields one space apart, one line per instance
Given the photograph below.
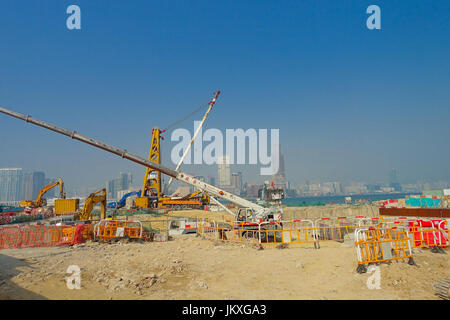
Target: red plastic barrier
x=428 y=238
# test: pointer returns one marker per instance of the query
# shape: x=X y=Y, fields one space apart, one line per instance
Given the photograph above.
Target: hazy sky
x=350 y=103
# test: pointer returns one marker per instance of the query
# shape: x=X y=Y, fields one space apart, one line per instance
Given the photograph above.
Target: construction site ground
x=189 y=267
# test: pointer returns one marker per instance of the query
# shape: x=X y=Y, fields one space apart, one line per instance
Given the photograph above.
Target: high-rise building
x=236 y=181
x=11 y=185
x=33 y=184
x=123 y=182
x=224 y=172
x=279 y=179
x=393 y=181
x=253 y=190
x=212 y=181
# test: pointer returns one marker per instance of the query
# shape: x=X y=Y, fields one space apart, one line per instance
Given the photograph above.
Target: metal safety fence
x=300 y=231
x=376 y=244
x=264 y=233
x=424 y=233
x=341 y=228
x=106 y=230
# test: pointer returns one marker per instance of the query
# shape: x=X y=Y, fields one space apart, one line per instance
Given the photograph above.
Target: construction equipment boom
x=253 y=211
x=211 y=105
x=121 y=203
x=40 y=198
x=94 y=198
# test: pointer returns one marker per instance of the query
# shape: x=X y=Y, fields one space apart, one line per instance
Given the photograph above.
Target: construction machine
x=195 y=200
x=121 y=203
x=93 y=199
x=40 y=201
x=248 y=211
x=152 y=196
x=270 y=195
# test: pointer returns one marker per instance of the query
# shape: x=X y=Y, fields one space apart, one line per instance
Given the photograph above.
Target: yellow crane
x=93 y=199
x=40 y=201
x=151 y=194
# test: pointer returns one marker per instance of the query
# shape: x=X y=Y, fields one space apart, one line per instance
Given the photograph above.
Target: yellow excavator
x=40 y=201
x=93 y=199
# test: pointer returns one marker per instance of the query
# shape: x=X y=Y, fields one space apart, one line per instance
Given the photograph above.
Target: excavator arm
x=93 y=199
x=40 y=198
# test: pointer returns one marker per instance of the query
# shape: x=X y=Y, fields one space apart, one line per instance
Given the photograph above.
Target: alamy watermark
x=374 y=281
x=238 y=146
x=73 y=22
x=74 y=280
x=374 y=20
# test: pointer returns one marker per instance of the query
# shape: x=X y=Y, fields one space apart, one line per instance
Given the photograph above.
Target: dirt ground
x=189 y=267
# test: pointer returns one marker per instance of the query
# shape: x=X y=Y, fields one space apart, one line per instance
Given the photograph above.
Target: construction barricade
x=27 y=236
x=286 y=232
x=106 y=230
x=263 y=233
x=231 y=231
x=341 y=228
x=424 y=233
x=376 y=244
x=178 y=226
x=429 y=233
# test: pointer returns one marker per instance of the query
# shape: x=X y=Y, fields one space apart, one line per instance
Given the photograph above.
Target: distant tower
x=279 y=179
x=224 y=173
x=33 y=183
x=236 y=181
x=393 y=176
x=11 y=184
x=393 y=181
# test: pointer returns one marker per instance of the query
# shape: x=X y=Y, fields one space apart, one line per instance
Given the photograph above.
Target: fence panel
x=376 y=244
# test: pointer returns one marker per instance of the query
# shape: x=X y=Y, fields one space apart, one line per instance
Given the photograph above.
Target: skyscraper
x=11 y=185
x=393 y=181
x=279 y=179
x=33 y=183
x=236 y=181
x=122 y=183
x=224 y=173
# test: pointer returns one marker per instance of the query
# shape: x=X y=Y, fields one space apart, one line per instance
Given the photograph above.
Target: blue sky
x=350 y=103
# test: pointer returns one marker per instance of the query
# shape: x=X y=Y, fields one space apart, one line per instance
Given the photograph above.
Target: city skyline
x=238 y=185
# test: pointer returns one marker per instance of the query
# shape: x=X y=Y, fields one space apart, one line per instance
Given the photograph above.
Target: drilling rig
x=152 y=196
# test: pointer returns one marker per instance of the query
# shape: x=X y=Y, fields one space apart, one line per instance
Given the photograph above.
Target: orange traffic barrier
x=106 y=230
x=279 y=232
x=341 y=228
x=376 y=244
x=33 y=236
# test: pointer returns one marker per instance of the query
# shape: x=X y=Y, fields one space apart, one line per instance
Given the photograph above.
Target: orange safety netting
x=12 y=237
